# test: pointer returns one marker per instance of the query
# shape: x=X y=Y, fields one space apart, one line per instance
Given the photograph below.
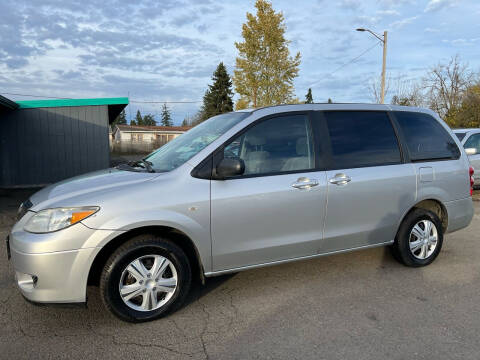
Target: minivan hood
x=87 y=183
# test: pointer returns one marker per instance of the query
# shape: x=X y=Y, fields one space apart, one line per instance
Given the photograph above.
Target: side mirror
x=471 y=151
x=230 y=167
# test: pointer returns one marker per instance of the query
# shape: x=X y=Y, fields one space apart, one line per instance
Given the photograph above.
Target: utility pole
x=384 y=66
x=384 y=63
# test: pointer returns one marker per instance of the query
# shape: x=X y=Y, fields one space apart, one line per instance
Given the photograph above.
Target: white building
x=143 y=139
x=147 y=134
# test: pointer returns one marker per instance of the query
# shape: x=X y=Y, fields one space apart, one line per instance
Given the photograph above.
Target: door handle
x=340 y=179
x=305 y=183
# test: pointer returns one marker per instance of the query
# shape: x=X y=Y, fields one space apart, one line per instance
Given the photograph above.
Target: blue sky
x=167 y=50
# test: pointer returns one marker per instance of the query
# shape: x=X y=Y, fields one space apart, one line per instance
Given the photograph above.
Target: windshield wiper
x=131 y=165
x=146 y=165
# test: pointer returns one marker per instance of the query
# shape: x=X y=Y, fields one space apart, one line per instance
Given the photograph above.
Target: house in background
x=143 y=139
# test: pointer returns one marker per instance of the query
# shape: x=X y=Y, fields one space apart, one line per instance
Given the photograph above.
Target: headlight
x=49 y=220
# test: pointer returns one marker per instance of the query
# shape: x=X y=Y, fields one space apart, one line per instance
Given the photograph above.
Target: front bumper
x=59 y=277
x=54 y=267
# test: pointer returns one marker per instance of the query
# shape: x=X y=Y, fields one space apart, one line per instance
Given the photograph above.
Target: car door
x=275 y=209
x=441 y=172
x=473 y=141
x=369 y=185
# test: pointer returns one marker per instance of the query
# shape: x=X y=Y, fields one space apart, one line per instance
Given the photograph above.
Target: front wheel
x=419 y=239
x=145 y=279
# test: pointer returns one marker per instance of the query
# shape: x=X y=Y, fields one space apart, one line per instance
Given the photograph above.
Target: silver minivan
x=243 y=190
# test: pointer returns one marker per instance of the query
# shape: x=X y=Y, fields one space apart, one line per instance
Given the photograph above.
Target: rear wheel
x=419 y=239
x=146 y=278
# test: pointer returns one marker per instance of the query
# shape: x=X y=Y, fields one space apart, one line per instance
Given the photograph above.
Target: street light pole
x=384 y=62
x=384 y=66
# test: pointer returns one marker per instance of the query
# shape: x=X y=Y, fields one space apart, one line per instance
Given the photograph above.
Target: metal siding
x=76 y=143
x=45 y=145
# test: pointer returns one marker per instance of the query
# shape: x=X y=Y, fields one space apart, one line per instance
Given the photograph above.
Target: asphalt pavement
x=359 y=305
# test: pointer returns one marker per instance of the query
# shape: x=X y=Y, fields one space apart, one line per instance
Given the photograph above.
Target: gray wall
x=44 y=145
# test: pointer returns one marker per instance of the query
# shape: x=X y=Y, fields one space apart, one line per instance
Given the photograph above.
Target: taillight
x=471 y=172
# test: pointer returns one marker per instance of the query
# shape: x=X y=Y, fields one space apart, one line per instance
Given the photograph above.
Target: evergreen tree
x=309 y=97
x=121 y=119
x=138 y=118
x=133 y=122
x=166 y=116
x=330 y=101
x=218 y=97
x=264 y=68
x=149 y=120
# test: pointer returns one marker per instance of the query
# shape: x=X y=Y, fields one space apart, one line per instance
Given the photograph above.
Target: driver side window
x=279 y=144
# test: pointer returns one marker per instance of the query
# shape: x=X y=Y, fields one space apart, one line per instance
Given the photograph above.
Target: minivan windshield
x=184 y=147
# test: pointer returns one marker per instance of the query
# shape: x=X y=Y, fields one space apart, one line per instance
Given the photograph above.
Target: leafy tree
x=242 y=103
x=133 y=122
x=330 y=101
x=309 y=97
x=121 y=119
x=138 y=119
x=264 y=68
x=149 y=120
x=468 y=113
x=218 y=97
x=166 y=116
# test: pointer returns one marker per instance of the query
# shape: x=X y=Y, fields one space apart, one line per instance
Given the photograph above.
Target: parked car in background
x=470 y=139
x=244 y=190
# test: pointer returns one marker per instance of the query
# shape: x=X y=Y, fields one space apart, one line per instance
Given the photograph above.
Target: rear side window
x=361 y=138
x=460 y=136
x=426 y=139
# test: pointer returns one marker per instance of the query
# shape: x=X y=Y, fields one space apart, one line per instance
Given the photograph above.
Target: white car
x=470 y=139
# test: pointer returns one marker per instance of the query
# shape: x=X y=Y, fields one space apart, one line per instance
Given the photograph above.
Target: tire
x=161 y=258
x=406 y=246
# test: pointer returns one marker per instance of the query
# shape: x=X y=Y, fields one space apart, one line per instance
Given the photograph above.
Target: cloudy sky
x=167 y=50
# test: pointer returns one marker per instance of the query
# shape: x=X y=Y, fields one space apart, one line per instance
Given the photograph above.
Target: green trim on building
x=28 y=104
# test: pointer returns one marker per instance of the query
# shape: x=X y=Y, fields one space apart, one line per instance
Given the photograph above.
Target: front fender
x=191 y=226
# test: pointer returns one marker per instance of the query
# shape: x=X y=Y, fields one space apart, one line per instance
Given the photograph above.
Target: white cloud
x=158 y=50
x=350 y=4
x=461 y=41
x=401 y=23
x=389 y=12
x=435 y=5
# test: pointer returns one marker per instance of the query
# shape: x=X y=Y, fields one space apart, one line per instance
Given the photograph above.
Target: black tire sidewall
x=403 y=238
x=128 y=254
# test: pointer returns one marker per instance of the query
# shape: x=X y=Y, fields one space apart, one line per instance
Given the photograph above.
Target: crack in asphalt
x=116 y=342
x=204 y=330
x=179 y=329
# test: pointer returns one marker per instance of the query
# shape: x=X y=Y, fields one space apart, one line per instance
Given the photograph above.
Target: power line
x=38 y=96
x=348 y=62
